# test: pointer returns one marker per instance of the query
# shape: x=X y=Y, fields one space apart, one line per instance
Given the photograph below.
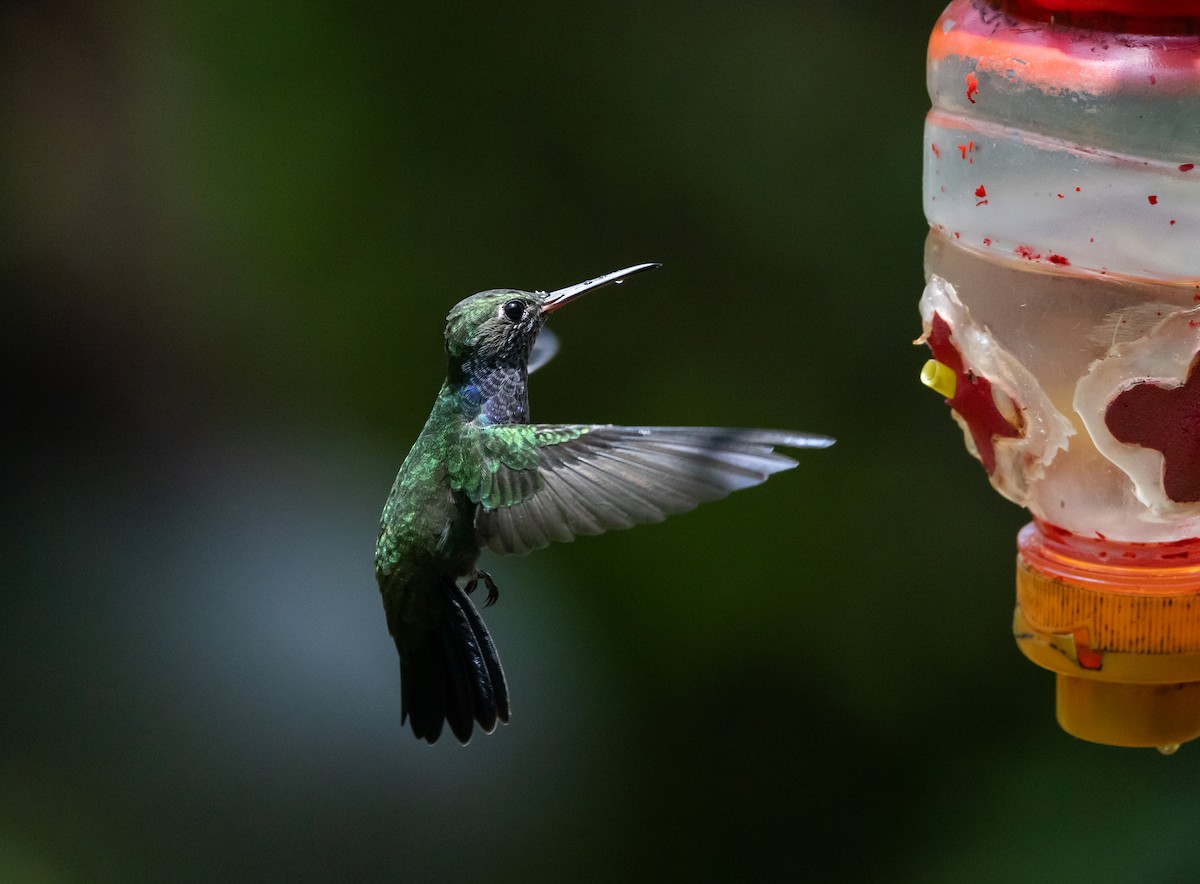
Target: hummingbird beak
x=556 y=299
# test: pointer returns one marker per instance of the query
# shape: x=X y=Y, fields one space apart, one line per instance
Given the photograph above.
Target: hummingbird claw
x=492 y=588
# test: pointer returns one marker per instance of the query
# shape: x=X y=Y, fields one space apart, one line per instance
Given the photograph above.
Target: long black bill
x=556 y=299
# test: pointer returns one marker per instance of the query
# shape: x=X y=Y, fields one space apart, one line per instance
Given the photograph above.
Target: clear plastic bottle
x=1062 y=306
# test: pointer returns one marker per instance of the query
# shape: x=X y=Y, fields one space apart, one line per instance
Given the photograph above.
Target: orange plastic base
x=1124 y=714
x=1120 y=625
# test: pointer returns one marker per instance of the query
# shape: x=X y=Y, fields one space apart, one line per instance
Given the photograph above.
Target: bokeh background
x=229 y=235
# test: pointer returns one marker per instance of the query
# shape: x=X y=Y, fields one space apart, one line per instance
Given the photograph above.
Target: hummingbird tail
x=455 y=676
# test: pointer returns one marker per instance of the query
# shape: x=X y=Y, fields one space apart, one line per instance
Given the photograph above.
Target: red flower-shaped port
x=1168 y=420
x=973 y=399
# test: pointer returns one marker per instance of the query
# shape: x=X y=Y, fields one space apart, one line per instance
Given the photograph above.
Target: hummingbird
x=480 y=475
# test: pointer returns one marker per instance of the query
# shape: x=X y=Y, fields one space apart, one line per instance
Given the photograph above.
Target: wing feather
x=576 y=518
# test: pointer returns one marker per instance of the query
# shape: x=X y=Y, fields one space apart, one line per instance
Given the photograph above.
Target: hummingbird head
x=498 y=327
x=489 y=337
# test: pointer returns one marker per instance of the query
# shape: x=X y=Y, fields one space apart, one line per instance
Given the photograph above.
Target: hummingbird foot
x=493 y=590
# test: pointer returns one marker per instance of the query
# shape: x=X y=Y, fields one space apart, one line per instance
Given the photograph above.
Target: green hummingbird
x=481 y=475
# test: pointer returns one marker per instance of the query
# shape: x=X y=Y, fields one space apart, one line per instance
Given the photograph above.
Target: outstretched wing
x=548 y=482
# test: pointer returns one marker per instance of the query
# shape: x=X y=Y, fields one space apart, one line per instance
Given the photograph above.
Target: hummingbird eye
x=514 y=310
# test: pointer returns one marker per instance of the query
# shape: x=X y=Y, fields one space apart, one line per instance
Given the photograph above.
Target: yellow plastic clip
x=940 y=378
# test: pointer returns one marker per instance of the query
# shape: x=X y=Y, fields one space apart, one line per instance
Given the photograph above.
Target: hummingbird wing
x=545 y=347
x=541 y=482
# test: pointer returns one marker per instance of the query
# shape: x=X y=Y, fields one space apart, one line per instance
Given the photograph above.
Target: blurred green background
x=230 y=235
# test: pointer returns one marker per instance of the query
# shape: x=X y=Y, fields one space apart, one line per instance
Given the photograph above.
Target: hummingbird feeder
x=1062 y=314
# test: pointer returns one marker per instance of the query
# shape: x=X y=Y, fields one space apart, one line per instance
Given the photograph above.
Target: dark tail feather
x=455 y=676
x=423 y=691
x=488 y=685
